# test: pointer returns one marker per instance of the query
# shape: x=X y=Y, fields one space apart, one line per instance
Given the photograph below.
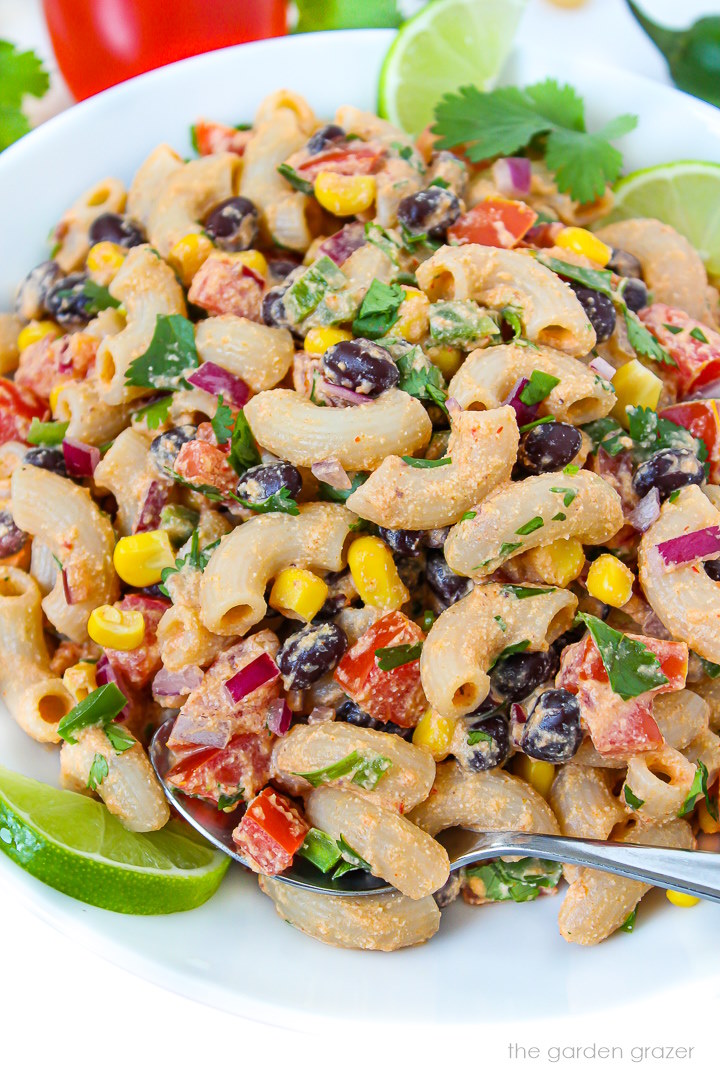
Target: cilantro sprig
x=21 y=73
x=395 y=656
x=170 y=354
x=647 y=433
x=631 y=668
x=546 y=116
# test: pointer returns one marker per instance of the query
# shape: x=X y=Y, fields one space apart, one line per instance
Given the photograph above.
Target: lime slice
x=74 y=844
x=684 y=194
x=448 y=44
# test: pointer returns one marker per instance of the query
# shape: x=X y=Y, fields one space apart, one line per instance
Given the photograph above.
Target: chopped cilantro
x=420 y=378
x=629 y=925
x=170 y=354
x=643 y=342
x=524 y=592
x=469 y=515
x=631 y=667
x=439 y=182
x=395 y=656
x=507 y=549
x=227 y=802
x=631 y=798
x=98 y=771
x=341 y=495
x=222 y=422
x=119 y=739
x=295 y=180
x=243 y=451
x=474 y=737
x=510 y=650
x=538 y=387
x=599 y=280
x=21 y=73
x=280 y=502
x=569 y=494
x=379 y=310
x=519 y=880
x=425 y=463
x=699 y=789
x=530 y=526
x=155 y=412
x=697 y=333
x=359 y=768
x=536 y=423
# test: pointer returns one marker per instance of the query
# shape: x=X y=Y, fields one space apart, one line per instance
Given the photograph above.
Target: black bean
x=624 y=264
x=516 y=676
x=323 y=138
x=435 y=538
x=568 y=638
x=280 y=268
x=117 y=229
x=311 y=653
x=449 y=892
x=599 y=309
x=233 y=224
x=33 y=289
x=273 y=308
x=350 y=713
x=47 y=457
x=12 y=539
x=67 y=301
x=403 y=541
x=166 y=447
x=488 y=742
x=712 y=569
x=332 y=606
x=360 y=365
x=447 y=586
x=635 y=294
x=553 y=731
x=548 y=447
x=262 y=481
x=668 y=470
x=430 y=212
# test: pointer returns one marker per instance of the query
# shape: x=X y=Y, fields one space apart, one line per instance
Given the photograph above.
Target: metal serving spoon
x=693 y=872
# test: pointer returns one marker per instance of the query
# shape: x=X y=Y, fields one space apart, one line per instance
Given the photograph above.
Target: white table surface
x=67 y=1013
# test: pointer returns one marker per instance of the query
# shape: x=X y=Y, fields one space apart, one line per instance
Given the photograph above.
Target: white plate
x=234 y=952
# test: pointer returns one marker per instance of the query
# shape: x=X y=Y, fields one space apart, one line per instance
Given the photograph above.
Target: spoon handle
x=693 y=872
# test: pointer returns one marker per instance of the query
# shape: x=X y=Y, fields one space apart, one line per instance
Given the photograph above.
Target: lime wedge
x=448 y=44
x=74 y=844
x=684 y=194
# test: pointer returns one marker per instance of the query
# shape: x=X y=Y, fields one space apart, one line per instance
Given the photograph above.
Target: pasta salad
x=395 y=484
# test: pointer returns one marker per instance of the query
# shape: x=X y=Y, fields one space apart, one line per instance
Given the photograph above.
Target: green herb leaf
x=281 y=502
x=520 y=880
x=351 y=859
x=501 y=623
x=99 y=297
x=599 y=280
x=379 y=310
x=538 y=387
x=699 y=789
x=631 y=667
x=426 y=623
x=507 y=549
x=295 y=180
x=631 y=798
x=536 y=423
x=119 y=739
x=569 y=494
x=228 y=802
x=559 y=517
x=426 y=463
x=530 y=526
x=524 y=592
x=341 y=495
x=222 y=422
x=170 y=354
x=244 y=453
x=155 y=413
x=711 y=670
x=99 y=707
x=585 y=163
x=697 y=333
x=474 y=737
x=320 y=849
x=98 y=772
x=439 y=182
x=395 y=656
x=461 y=323
x=21 y=73
x=510 y=650
x=420 y=378
x=469 y=515
x=371 y=772
x=643 y=342
x=344 y=767
x=629 y=925
x=47 y=433
x=571 y=470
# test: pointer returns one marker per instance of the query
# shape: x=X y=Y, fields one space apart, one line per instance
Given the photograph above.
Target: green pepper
x=693 y=55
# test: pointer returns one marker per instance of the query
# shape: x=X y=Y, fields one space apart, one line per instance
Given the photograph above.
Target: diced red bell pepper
x=617 y=726
x=357 y=159
x=698 y=360
x=701 y=419
x=214 y=138
x=395 y=696
x=139 y=666
x=200 y=462
x=494 y=222
x=224 y=286
x=51 y=362
x=270 y=833
x=18 y=406
x=208 y=773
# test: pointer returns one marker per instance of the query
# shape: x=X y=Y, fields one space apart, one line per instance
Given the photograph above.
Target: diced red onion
x=517 y=714
x=525 y=413
x=259 y=671
x=453 y=406
x=201 y=731
x=321 y=714
x=81 y=459
x=105 y=673
x=544 y=235
x=341 y=245
x=331 y=472
x=712 y=390
x=342 y=393
x=602 y=368
x=217 y=380
x=278 y=717
x=646 y=512
x=512 y=175
x=12 y=539
x=247 y=271
x=173 y=683
x=66 y=586
x=156 y=497
x=701 y=544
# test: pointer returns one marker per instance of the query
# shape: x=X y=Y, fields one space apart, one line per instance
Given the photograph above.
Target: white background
x=66 y=1012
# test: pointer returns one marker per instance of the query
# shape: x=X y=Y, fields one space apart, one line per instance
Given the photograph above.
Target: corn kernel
x=375 y=574
x=298 y=594
x=413 y=317
x=447 y=359
x=610 y=581
x=104 y=260
x=635 y=385
x=112 y=628
x=681 y=899
x=141 y=559
x=35 y=331
x=254 y=260
x=80 y=679
x=707 y=823
x=187 y=255
x=435 y=733
x=344 y=195
x=539 y=774
x=321 y=338
x=584 y=243
x=557 y=563
x=55 y=395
